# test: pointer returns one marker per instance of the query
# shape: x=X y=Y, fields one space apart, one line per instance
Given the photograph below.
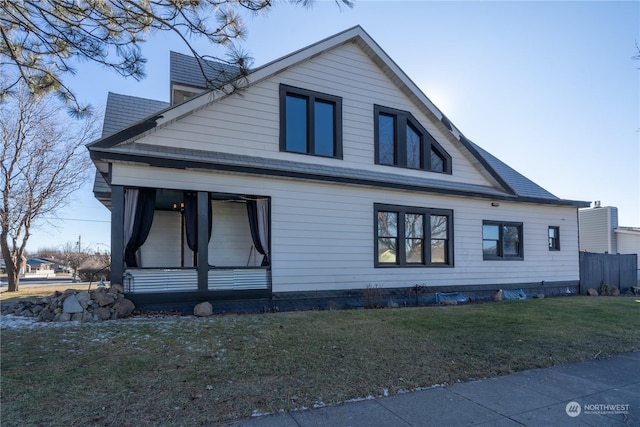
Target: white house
x=329 y=173
x=600 y=232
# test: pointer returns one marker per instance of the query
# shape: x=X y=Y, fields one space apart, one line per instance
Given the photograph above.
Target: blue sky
x=548 y=87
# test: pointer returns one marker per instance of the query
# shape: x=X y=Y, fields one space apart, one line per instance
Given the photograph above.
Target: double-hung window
x=310 y=122
x=401 y=141
x=412 y=236
x=502 y=240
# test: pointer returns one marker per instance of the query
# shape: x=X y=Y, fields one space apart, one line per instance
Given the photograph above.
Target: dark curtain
x=141 y=225
x=191 y=219
x=252 y=211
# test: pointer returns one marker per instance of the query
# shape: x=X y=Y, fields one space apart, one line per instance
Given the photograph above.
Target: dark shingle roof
x=278 y=167
x=184 y=69
x=124 y=110
x=520 y=184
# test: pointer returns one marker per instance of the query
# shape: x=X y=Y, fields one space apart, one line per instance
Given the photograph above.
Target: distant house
x=329 y=173
x=39 y=267
x=600 y=232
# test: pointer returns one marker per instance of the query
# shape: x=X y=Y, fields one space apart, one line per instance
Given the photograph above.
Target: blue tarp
x=514 y=294
x=451 y=296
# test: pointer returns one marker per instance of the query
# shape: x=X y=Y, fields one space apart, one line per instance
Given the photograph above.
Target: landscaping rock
x=116 y=289
x=84 y=298
x=71 y=305
x=46 y=315
x=498 y=296
x=450 y=302
x=540 y=296
x=592 y=292
x=83 y=306
x=103 y=298
x=123 y=308
x=203 y=309
x=615 y=292
x=102 y=313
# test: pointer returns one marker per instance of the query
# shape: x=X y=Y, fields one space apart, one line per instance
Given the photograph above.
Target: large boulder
x=592 y=292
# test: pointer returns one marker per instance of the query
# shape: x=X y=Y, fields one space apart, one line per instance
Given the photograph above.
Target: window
x=401 y=141
x=409 y=236
x=310 y=122
x=554 y=238
x=502 y=240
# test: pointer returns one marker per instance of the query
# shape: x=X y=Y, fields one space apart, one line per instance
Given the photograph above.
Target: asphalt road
x=38 y=283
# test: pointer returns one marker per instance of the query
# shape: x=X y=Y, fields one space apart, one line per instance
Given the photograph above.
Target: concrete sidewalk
x=599 y=392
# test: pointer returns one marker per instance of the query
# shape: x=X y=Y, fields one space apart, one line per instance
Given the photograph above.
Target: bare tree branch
x=39 y=39
x=43 y=163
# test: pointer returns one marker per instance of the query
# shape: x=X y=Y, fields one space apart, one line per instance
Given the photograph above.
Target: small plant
x=372 y=295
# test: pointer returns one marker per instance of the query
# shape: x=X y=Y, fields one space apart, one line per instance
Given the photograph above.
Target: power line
x=74 y=219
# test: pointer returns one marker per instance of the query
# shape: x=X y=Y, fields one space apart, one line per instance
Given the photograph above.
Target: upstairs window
x=401 y=141
x=554 y=238
x=413 y=237
x=502 y=240
x=310 y=122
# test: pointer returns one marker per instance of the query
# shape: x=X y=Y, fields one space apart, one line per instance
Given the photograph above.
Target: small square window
x=502 y=240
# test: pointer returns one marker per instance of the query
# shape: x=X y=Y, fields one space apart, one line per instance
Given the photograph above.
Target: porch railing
x=153 y=280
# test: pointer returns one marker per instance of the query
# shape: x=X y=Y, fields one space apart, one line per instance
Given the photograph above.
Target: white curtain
x=130 y=206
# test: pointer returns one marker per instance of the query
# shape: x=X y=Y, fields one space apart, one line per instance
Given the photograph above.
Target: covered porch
x=180 y=246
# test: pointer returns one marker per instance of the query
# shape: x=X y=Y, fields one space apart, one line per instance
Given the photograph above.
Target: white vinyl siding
x=249 y=124
x=596 y=229
x=231 y=242
x=162 y=247
x=323 y=236
x=628 y=242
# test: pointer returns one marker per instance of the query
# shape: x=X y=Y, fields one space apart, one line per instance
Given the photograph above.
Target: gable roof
x=515 y=185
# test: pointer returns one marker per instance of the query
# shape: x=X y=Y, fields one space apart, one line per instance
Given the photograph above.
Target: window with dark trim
x=310 y=122
x=554 y=238
x=401 y=141
x=502 y=240
x=413 y=237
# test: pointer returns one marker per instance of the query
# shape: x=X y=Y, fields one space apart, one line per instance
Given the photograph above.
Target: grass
x=203 y=371
x=41 y=291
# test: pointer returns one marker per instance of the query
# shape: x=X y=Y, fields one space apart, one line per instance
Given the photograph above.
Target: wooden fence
x=614 y=270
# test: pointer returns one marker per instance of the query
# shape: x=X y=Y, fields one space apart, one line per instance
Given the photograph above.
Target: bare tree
x=74 y=256
x=40 y=39
x=43 y=162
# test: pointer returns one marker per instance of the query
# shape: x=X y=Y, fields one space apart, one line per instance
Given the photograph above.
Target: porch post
x=203 y=240
x=117 y=234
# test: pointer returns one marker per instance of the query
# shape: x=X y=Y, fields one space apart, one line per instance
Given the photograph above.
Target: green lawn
x=196 y=371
